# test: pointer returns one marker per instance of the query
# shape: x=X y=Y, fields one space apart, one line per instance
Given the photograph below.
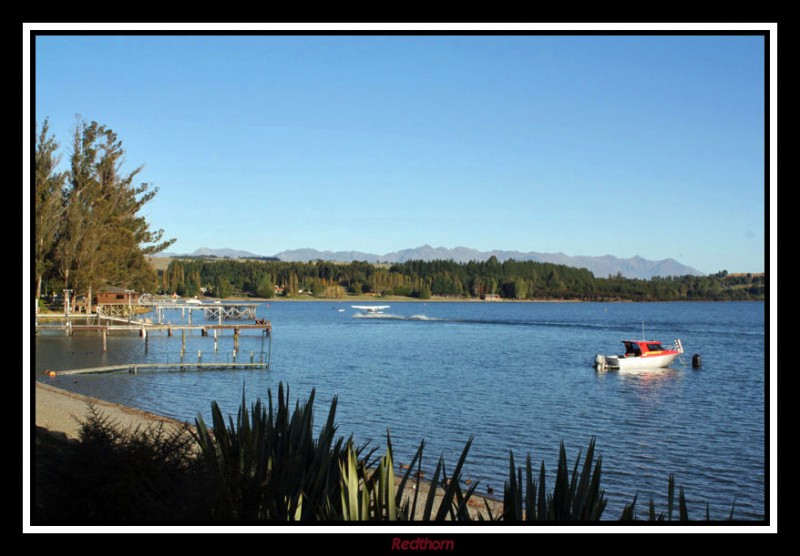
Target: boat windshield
x=654 y=347
x=632 y=350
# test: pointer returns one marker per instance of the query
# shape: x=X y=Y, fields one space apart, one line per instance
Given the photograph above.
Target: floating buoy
x=51 y=374
x=696 y=363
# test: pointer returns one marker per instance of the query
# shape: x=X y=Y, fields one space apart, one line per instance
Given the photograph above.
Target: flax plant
x=574 y=498
x=375 y=494
x=268 y=464
x=629 y=512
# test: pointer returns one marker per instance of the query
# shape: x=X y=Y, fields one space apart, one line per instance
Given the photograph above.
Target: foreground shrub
x=116 y=474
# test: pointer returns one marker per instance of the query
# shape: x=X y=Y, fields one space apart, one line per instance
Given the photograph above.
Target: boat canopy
x=636 y=348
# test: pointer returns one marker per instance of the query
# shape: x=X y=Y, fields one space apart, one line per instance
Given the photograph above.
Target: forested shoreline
x=518 y=280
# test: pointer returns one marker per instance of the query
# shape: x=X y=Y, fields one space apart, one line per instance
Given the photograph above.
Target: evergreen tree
x=96 y=236
x=424 y=292
x=48 y=205
x=222 y=288
x=266 y=287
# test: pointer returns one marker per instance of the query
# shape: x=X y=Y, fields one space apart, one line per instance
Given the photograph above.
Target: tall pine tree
x=101 y=238
x=48 y=205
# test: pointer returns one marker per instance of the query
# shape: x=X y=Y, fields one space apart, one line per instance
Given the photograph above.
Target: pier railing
x=223 y=310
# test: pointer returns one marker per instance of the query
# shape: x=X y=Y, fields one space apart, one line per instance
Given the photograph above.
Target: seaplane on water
x=371 y=309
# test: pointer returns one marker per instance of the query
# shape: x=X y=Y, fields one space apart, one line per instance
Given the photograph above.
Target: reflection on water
x=651 y=378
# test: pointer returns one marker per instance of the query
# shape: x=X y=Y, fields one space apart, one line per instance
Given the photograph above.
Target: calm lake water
x=515 y=376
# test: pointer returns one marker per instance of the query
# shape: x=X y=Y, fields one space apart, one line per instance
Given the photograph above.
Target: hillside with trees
x=520 y=280
x=89 y=231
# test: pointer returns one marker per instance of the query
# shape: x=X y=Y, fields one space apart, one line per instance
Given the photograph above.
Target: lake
x=515 y=376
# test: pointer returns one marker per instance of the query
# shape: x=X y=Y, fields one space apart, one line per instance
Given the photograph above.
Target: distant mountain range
x=207 y=252
x=634 y=267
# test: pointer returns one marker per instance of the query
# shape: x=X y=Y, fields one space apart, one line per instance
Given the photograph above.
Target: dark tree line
x=88 y=230
x=422 y=279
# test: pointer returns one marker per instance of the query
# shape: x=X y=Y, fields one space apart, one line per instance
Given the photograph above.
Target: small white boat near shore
x=639 y=355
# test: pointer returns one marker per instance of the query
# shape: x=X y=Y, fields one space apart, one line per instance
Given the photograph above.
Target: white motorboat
x=640 y=355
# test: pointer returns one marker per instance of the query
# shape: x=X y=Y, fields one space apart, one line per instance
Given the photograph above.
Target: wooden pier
x=142 y=328
x=112 y=324
x=134 y=368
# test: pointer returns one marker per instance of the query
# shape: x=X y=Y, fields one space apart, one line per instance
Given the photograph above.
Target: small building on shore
x=116 y=296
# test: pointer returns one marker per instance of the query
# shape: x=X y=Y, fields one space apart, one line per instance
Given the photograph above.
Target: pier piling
x=106 y=324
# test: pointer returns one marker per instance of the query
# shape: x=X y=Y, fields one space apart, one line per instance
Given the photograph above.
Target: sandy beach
x=58 y=410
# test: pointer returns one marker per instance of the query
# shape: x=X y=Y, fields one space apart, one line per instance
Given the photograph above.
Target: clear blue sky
x=588 y=145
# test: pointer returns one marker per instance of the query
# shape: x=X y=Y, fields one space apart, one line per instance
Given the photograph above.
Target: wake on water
x=387 y=316
x=505 y=322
